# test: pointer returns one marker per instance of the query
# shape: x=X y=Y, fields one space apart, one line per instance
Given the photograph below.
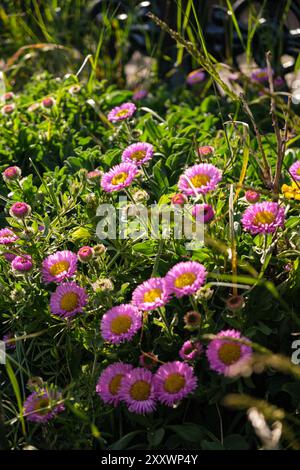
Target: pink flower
x=85 y=254
x=59 y=266
x=43 y=405
x=179 y=199
x=203 y=213
x=137 y=391
x=11 y=173
x=48 y=102
x=196 y=76
x=150 y=294
x=139 y=94
x=185 y=278
x=199 y=179
x=109 y=383
x=138 y=153
x=263 y=217
x=9 y=96
x=119 y=113
x=7 y=236
x=206 y=151
x=121 y=323
x=119 y=177
x=94 y=175
x=252 y=196
x=20 y=210
x=22 y=263
x=190 y=350
x=174 y=381
x=8 y=108
x=68 y=300
x=295 y=170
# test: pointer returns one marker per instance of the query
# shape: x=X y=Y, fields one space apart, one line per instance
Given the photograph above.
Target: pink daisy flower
x=190 y=350
x=138 y=153
x=185 y=278
x=22 y=263
x=121 y=323
x=263 y=217
x=119 y=113
x=7 y=236
x=60 y=266
x=11 y=173
x=252 y=196
x=203 y=213
x=196 y=76
x=43 y=405
x=199 y=179
x=224 y=355
x=109 y=383
x=85 y=254
x=68 y=300
x=295 y=170
x=206 y=151
x=20 y=210
x=174 y=381
x=150 y=294
x=119 y=177
x=137 y=391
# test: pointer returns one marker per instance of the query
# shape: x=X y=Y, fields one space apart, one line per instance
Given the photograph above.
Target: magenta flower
x=199 y=179
x=263 y=217
x=11 y=173
x=60 y=266
x=179 y=199
x=295 y=170
x=137 y=391
x=139 y=94
x=125 y=111
x=119 y=177
x=224 y=355
x=20 y=210
x=48 y=102
x=138 y=153
x=203 y=213
x=260 y=75
x=185 y=278
x=7 y=236
x=9 y=256
x=252 y=196
x=68 y=300
x=190 y=350
x=43 y=405
x=121 y=323
x=196 y=76
x=206 y=151
x=151 y=294
x=109 y=383
x=174 y=381
x=85 y=254
x=22 y=264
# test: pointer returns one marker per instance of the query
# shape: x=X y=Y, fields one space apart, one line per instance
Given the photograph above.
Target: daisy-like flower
x=295 y=170
x=190 y=350
x=151 y=294
x=148 y=360
x=263 y=217
x=235 y=302
x=174 y=381
x=137 y=391
x=199 y=179
x=252 y=196
x=138 y=153
x=20 y=210
x=291 y=192
x=139 y=94
x=11 y=173
x=119 y=113
x=118 y=177
x=206 y=151
x=192 y=320
x=224 y=355
x=185 y=278
x=68 y=300
x=22 y=264
x=8 y=108
x=196 y=76
x=109 y=383
x=121 y=323
x=85 y=254
x=7 y=236
x=60 y=266
x=43 y=405
x=203 y=213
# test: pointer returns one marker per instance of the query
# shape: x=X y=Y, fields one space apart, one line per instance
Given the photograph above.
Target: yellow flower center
x=119 y=178
x=298 y=171
x=122 y=113
x=264 y=217
x=152 y=295
x=138 y=155
x=200 y=180
x=185 y=279
x=174 y=383
x=115 y=383
x=140 y=390
x=59 y=267
x=229 y=353
x=69 y=301
x=42 y=406
x=121 y=324
x=291 y=192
